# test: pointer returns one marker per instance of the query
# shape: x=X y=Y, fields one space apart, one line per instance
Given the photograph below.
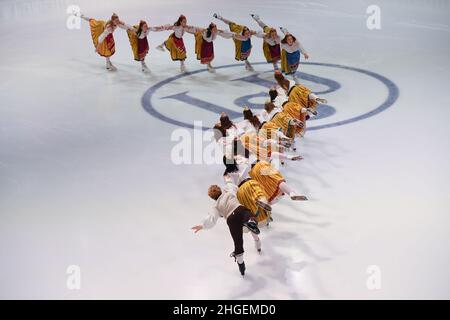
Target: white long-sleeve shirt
x=245 y=126
x=109 y=30
x=267 y=116
x=271 y=41
x=224 y=206
x=296 y=46
x=180 y=30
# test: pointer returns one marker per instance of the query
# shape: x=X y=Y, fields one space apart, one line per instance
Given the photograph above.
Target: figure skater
x=271 y=43
x=102 y=36
x=204 y=46
x=175 y=43
x=138 y=40
x=242 y=40
x=290 y=54
x=237 y=216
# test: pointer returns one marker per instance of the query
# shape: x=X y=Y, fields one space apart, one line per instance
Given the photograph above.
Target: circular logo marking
x=184 y=97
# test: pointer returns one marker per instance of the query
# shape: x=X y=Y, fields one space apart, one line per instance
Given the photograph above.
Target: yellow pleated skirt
x=252 y=142
x=300 y=94
x=176 y=48
x=248 y=193
x=268 y=177
x=107 y=47
x=282 y=120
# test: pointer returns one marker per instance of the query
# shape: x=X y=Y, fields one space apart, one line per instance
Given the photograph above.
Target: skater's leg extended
x=285 y=188
x=215 y=15
x=258 y=21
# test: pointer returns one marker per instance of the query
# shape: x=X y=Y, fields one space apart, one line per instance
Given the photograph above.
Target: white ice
x=86 y=176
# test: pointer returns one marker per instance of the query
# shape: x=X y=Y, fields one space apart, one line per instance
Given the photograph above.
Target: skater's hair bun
x=114 y=16
x=180 y=18
x=214 y=191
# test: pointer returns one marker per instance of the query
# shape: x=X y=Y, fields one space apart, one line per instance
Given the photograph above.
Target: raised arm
x=193 y=30
x=79 y=14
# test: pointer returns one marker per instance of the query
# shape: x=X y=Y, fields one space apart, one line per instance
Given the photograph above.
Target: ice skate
x=183 y=68
x=240 y=262
x=313 y=112
x=242 y=268
x=258 y=245
x=295 y=196
x=321 y=100
x=217 y=16
x=210 y=68
x=263 y=205
x=252 y=226
x=144 y=68
x=160 y=47
x=296 y=158
x=254 y=16
x=248 y=66
x=110 y=66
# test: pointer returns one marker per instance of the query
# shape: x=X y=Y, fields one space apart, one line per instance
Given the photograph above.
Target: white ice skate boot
x=183 y=68
x=314 y=112
x=254 y=16
x=161 y=47
x=144 y=68
x=211 y=68
x=258 y=245
x=110 y=66
x=321 y=100
x=248 y=66
x=215 y=15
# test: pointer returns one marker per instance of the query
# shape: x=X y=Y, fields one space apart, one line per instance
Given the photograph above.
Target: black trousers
x=235 y=222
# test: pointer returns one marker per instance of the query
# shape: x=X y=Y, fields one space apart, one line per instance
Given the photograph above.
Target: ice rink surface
x=86 y=176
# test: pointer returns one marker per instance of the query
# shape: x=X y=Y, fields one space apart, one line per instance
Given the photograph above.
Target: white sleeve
x=103 y=36
x=230 y=187
x=240 y=37
x=225 y=34
x=264 y=115
x=211 y=219
x=260 y=35
x=124 y=26
x=191 y=29
x=300 y=47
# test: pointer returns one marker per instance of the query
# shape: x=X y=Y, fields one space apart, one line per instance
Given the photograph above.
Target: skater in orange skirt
x=204 y=44
x=271 y=43
x=272 y=181
x=242 y=40
x=175 y=44
x=102 y=36
x=281 y=119
x=298 y=93
x=137 y=35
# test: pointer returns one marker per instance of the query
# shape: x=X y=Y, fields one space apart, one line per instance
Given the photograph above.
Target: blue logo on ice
x=178 y=116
